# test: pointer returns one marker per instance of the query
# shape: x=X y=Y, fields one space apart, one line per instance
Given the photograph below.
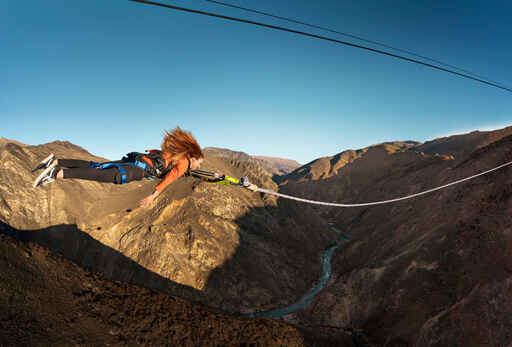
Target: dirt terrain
x=85 y=265
x=48 y=301
x=432 y=271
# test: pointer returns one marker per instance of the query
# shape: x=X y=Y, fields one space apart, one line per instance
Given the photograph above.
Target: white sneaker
x=45 y=163
x=48 y=175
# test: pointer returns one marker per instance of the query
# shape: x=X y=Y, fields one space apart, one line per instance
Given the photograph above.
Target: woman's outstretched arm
x=177 y=171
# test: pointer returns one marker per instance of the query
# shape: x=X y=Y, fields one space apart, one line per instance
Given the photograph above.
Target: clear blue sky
x=110 y=76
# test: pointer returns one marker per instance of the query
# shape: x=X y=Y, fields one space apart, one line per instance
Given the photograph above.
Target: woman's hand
x=146 y=202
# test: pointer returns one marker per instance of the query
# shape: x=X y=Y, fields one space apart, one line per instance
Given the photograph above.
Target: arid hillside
x=4 y=142
x=326 y=167
x=431 y=271
x=462 y=145
x=272 y=167
x=48 y=301
x=277 y=166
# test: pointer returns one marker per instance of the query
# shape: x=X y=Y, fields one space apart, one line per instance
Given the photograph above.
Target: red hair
x=180 y=144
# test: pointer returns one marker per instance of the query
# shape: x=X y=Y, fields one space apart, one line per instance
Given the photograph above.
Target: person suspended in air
x=179 y=153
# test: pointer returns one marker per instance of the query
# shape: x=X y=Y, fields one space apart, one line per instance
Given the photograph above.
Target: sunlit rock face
x=222 y=245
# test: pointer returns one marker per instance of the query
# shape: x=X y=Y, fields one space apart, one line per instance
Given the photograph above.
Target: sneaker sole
x=46 y=161
x=38 y=180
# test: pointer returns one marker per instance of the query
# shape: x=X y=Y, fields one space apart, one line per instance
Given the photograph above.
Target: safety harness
x=159 y=169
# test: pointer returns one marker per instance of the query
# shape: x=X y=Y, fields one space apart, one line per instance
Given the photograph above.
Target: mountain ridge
x=452 y=147
x=421 y=271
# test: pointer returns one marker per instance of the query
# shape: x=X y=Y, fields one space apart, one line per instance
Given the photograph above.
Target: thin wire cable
x=349 y=35
x=268 y=191
x=321 y=38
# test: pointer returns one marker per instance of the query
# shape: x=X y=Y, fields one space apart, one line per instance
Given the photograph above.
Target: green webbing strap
x=228 y=180
x=211 y=177
x=203 y=173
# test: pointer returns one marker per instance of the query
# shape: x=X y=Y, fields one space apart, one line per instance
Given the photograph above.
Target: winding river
x=310 y=296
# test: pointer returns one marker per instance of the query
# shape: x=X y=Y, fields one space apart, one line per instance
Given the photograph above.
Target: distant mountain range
x=447 y=148
x=278 y=166
x=274 y=166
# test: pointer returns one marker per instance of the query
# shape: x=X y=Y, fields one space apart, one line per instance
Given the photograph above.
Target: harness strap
x=123 y=174
x=120 y=167
x=187 y=173
x=116 y=165
x=138 y=163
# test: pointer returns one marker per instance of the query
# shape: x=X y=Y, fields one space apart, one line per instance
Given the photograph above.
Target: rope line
x=347 y=35
x=268 y=191
x=321 y=38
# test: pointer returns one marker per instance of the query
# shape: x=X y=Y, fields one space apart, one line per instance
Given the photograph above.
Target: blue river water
x=310 y=296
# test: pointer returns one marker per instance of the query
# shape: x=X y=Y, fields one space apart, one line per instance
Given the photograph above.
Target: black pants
x=75 y=168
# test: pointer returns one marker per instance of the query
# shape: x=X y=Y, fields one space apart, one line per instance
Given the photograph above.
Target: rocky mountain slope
x=451 y=147
x=462 y=145
x=4 y=141
x=48 y=301
x=329 y=166
x=430 y=271
x=271 y=166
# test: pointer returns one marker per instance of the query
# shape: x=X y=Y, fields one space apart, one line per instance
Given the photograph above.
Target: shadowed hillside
x=431 y=271
x=462 y=145
x=47 y=300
